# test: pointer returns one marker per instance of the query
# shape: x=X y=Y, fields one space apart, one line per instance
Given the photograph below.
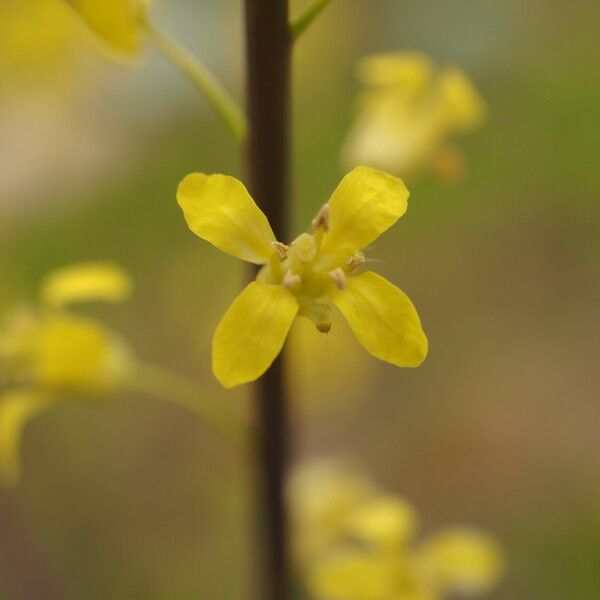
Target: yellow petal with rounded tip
x=16 y=409
x=219 y=209
x=117 y=22
x=408 y=69
x=366 y=203
x=252 y=333
x=383 y=319
x=464 y=561
x=385 y=522
x=464 y=107
x=86 y=282
x=350 y=575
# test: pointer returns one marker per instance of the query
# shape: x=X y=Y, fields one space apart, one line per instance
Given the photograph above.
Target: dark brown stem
x=268 y=92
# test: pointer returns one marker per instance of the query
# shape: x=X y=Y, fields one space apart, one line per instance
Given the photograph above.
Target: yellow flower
x=37 y=42
x=408 y=113
x=320 y=494
x=116 y=22
x=48 y=352
x=307 y=277
x=83 y=282
x=352 y=574
x=464 y=561
x=353 y=541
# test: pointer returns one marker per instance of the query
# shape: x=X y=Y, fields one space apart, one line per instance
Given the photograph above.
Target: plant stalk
x=303 y=21
x=206 y=83
x=166 y=385
x=268 y=50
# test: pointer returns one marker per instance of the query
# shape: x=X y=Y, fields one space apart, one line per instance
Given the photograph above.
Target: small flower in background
x=320 y=493
x=354 y=541
x=408 y=113
x=308 y=276
x=116 y=22
x=47 y=352
x=37 y=42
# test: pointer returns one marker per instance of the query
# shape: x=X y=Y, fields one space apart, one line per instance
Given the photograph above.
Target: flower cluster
x=354 y=541
x=408 y=112
x=307 y=277
x=47 y=352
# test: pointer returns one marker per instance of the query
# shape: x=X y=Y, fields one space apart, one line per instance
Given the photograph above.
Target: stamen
x=321 y=221
x=339 y=278
x=354 y=262
x=280 y=249
x=290 y=280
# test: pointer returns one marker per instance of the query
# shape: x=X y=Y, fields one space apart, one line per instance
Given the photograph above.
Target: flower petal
x=366 y=203
x=86 y=282
x=464 y=106
x=408 y=69
x=385 y=522
x=16 y=409
x=79 y=354
x=252 y=333
x=350 y=574
x=321 y=493
x=465 y=561
x=383 y=319
x=117 y=22
x=220 y=210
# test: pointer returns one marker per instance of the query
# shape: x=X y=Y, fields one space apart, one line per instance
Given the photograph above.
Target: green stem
x=212 y=410
x=302 y=21
x=208 y=85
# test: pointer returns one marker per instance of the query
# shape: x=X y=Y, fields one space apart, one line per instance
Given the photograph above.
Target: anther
x=321 y=221
x=290 y=280
x=280 y=249
x=338 y=277
x=354 y=262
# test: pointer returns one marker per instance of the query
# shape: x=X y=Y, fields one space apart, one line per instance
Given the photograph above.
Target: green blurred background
x=499 y=428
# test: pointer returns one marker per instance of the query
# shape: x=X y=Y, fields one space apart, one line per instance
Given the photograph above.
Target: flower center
x=307 y=272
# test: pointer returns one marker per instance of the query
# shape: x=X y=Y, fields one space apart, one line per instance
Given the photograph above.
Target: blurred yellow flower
x=306 y=277
x=320 y=493
x=354 y=542
x=83 y=282
x=408 y=112
x=116 y=22
x=464 y=561
x=46 y=352
x=37 y=40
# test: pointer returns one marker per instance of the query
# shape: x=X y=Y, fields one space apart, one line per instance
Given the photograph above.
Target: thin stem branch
x=209 y=86
x=302 y=21
x=166 y=385
x=268 y=43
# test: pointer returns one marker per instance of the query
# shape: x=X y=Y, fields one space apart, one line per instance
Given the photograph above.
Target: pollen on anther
x=354 y=262
x=321 y=221
x=280 y=249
